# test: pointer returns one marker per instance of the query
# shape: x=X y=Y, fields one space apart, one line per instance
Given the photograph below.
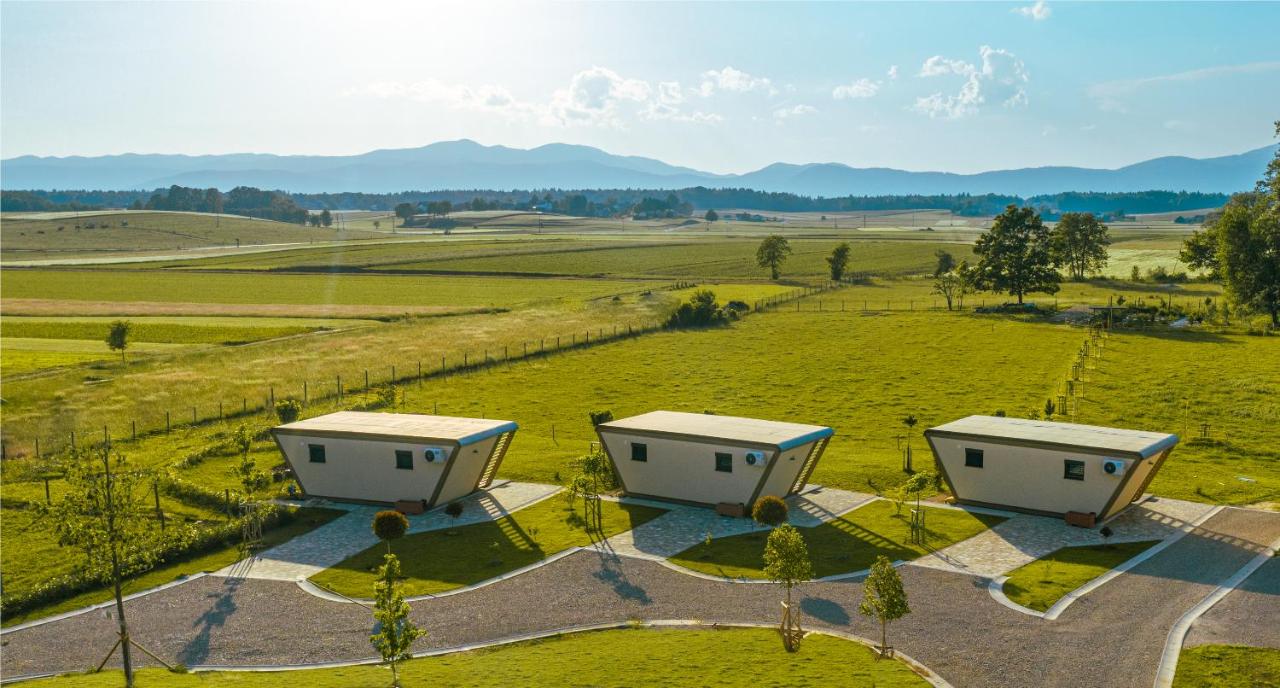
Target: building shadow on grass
x=196 y=651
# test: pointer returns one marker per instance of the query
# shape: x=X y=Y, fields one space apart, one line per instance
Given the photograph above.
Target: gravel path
x=956 y=629
x=1249 y=615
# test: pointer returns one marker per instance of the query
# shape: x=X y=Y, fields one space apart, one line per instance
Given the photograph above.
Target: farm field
x=843 y=545
x=1176 y=381
x=20 y=355
x=42 y=235
x=613 y=658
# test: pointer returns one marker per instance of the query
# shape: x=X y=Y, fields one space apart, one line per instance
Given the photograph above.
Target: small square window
x=724 y=462
x=973 y=458
x=1073 y=470
x=404 y=459
x=639 y=452
x=316 y=452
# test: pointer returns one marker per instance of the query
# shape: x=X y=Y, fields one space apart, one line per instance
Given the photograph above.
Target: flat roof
x=366 y=424
x=731 y=428
x=995 y=428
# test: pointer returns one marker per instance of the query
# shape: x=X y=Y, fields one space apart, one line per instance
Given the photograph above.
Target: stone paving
x=1025 y=538
x=313 y=552
x=683 y=526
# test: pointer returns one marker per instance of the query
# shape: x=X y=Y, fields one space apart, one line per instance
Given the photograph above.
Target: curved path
x=955 y=628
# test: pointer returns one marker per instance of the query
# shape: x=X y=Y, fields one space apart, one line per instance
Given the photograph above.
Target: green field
x=25 y=355
x=441 y=560
x=843 y=545
x=1228 y=666
x=631 y=657
x=1040 y=584
x=1172 y=381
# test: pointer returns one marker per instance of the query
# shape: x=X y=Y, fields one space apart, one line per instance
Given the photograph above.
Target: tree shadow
x=612 y=574
x=196 y=651
x=826 y=610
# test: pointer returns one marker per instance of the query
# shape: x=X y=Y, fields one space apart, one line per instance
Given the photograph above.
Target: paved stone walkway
x=683 y=527
x=1025 y=538
x=313 y=552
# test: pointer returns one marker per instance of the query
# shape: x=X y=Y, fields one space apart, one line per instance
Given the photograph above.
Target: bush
x=770 y=511
x=598 y=417
x=701 y=310
x=288 y=410
x=454 y=509
x=390 y=525
x=385 y=396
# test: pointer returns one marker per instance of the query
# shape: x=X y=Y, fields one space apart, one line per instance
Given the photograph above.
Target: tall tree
x=946 y=262
x=104 y=515
x=772 y=253
x=711 y=216
x=326 y=218
x=118 y=337
x=404 y=211
x=884 y=598
x=394 y=633
x=1242 y=246
x=838 y=261
x=1014 y=255
x=1079 y=243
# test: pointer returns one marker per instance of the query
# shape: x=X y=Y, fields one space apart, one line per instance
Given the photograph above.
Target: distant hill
x=466 y=164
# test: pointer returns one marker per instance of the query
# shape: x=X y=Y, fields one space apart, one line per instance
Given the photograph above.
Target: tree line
x=611 y=202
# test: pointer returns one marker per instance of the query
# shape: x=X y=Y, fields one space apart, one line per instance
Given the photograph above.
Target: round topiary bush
x=454 y=509
x=288 y=410
x=770 y=511
x=390 y=525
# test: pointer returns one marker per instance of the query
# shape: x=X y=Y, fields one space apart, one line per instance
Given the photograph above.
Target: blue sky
x=723 y=87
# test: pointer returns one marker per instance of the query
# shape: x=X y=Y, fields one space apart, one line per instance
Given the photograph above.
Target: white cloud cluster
x=1001 y=78
x=858 y=88
x=799 y=110
x=594 y=97
x=1040 y=11
x=733 y=81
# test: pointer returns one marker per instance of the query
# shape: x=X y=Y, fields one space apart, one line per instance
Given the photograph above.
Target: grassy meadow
x=613 y=658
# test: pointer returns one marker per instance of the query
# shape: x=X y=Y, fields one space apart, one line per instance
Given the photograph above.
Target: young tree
x=393 y=633
x=390 y=525
x=884 y=598
x=772 y=253
x=838 y=261
x=950 y=285
x=946 y=263
x=711 y=216
x=1079 y=243
x=1242 y=245
x=104 y=515
x=252 y=479
x=786 y=561
x=1050 y=408
x=1014 y=255
x=326 y=218
x=770 y=511
x=910 y=421
x=118 y=337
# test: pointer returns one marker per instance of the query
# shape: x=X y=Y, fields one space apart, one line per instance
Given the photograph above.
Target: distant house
x=389 y=457
x=1045 y=467
x=711 y=460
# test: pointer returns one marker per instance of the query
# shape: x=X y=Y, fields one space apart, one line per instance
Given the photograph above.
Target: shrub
x=770 y=511
x=598 y=417
x=385 y=396
x=454 y=509
x=288 y=410
x=701 y=310
x=390 y=525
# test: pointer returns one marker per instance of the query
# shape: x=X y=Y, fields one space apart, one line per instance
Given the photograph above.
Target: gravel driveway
x=956 y=628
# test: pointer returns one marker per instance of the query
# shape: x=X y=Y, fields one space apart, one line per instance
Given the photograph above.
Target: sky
x=721 y=87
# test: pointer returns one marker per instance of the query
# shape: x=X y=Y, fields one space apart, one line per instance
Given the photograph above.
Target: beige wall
x=685 y=469
x=365 y=469
x=468 y=464
x=1029 y=477
x=1129 y=492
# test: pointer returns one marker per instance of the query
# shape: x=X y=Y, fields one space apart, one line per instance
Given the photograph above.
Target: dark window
x=724 y=462
x=317 y=452
x=1073 y=470
x=404 y=459
x=973 y=458
x=639 y=452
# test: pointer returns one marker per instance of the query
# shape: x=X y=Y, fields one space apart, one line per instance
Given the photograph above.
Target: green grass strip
x=1227 y=666
x=1040 y=584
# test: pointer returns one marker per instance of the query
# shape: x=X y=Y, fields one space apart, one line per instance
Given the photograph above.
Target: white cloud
x=858 y=88
x=893 y=71
x=733 y=81
x=594 y=97
x=796 y=111
x=1178 y=125
x=1040 y=11
x=1111 y=95
x=1001 y=78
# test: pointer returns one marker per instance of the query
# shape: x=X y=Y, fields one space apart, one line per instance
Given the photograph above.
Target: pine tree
x=394 y=634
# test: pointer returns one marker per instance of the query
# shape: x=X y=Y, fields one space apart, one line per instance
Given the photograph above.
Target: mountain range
x=465 y=164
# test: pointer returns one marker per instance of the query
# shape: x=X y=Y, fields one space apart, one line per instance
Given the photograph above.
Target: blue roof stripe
x=1153 y=449
x=806 y=438
x=486 y=434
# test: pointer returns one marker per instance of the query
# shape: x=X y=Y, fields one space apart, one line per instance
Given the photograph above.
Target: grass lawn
x=1227 y=666
x=307 y=520
x=626 y=657
x=848 y=543
x=1040 y=584
x=441 y=560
